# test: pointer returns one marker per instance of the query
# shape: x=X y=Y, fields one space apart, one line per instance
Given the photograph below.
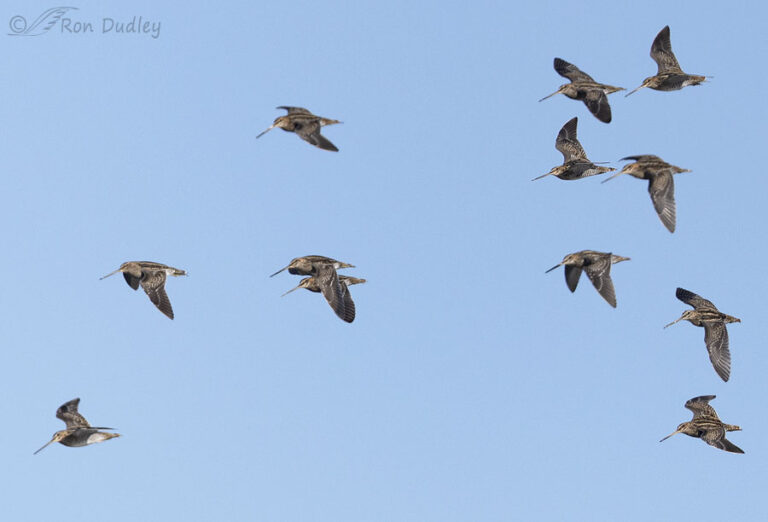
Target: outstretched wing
x=599 y=272
x=132 y=280
x=332 y=289
x=572 y=275
x=700 y=406
x=568 y=144
x=716 y=339
x=310 y=132
x=661 y=52
x=69 y=414
x=597 y=103
x=570 y=71
x=295 y=110
x=696 y=301
x=349 y=304
x=643 y=158
x=153 y=284
x=661 y=187
x=716 y=437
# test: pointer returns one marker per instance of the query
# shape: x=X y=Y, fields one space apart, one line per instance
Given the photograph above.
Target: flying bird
x=670 y=77
x=305 y=124
x=151 y=276
x=575 y=165
x=306 y=264
x=584 y=88
x=78 y=432
x=706 y=315
x=597 y=265
x=338 y=297
x=661 y=187
x=706 y=426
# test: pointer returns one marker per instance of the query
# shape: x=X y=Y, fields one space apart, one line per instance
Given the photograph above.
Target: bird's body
x=575 y=165
x=78 y=432
x=706 y=315
x=584 y=88
x=305 y=124
x=597 y=265
x=151 y=276
x=338 y=298
x=670 y=77
x=706 y=425
x=306 y=265
x=661 y=186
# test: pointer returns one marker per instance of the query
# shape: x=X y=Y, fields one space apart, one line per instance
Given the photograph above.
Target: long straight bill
x=266 y=131
x=673 y=322
x=291 y=290
x=668 y=436
x=109 y=274
x=545 y=97
x=46 y=445
x=273 y=275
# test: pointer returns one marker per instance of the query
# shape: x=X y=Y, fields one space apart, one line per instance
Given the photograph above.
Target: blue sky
x=472 y=385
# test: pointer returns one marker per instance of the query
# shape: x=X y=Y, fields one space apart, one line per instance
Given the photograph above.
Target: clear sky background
x=472 y=385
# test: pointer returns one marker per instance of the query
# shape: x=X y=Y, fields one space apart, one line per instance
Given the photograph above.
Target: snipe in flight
x=706 y=425
x=78 y=432
x=597 y=265
x=306 y=264
x=305 y=124
x=584 y=88
x=151 y=276
x=575 y=165
x=337 y=295
x=661 y=187
x=706 y=315
x=670 y=77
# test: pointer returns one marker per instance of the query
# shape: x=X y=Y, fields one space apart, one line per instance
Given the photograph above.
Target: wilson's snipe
x=705 y=314
x=576 y=165
x=305 y=265
x=661 y=187
x=706 y=426
x=584 y=88
x=670 y=77
x=335 y=292
x=78 y=432
x=597 y=265
x=305 y=124
x=151 y=276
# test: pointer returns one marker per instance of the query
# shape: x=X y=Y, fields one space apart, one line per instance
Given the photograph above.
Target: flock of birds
x=322 y=276
x=597 y=265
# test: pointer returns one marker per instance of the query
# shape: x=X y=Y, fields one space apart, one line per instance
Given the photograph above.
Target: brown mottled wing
x=570 y=71
x=599 y=272
x=661 y=52
x=309 y=131
x=597 y=103
x=716 y=339
x=295 y=110
x=661 y=187
x=643 y=158
x=153 y=284
x=568 y=144
x=132 y=280
x=718 y=440
x=572 y=275
x=696 y=301
x=349 y=304
x=328 y=280
x=700 y=406
x=68 y=413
